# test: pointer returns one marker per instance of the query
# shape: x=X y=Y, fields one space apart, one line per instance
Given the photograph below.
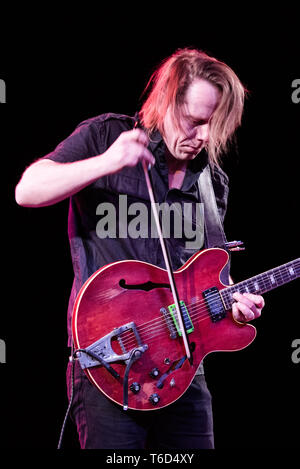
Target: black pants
x=102 y=424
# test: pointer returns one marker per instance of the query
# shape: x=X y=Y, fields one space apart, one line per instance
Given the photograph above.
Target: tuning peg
x=234 y=246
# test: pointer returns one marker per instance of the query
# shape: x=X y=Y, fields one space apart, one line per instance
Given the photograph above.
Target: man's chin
x=187 y=155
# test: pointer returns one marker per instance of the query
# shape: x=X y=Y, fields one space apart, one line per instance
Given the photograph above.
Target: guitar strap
x=214 y=231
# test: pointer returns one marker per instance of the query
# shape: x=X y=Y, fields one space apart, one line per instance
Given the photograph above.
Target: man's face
x=185 y=142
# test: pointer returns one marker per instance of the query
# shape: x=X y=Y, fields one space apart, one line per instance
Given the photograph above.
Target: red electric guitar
x=126 y=332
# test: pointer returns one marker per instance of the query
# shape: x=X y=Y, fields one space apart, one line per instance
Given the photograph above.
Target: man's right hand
x=129 y=149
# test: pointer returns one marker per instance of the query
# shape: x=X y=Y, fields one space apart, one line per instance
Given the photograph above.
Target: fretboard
x=263 y=282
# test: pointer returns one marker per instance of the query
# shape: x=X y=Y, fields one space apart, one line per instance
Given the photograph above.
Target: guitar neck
x=264 y=282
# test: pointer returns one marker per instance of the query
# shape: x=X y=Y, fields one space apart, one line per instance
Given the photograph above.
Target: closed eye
x=199 y=122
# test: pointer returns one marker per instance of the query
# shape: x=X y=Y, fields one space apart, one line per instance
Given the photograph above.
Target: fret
x=264 y=282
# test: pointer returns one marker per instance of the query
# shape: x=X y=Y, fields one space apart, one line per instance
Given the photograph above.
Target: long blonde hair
x=168 y=85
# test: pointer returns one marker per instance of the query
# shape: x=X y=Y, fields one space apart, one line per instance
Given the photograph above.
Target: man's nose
x=202 y=132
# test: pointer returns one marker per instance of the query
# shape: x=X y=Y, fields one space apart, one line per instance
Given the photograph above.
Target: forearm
x=47 y=182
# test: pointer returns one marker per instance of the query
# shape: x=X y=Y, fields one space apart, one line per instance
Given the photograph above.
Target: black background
x=60 y=70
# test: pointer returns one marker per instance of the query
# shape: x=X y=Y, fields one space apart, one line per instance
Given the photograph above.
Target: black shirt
x=111 y=206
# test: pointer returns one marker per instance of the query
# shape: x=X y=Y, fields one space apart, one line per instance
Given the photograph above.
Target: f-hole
x=146 y=286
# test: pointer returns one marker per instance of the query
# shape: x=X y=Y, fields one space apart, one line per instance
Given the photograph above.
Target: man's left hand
x=247 y=306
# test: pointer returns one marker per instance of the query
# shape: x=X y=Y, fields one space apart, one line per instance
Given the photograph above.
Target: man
x=192 y=110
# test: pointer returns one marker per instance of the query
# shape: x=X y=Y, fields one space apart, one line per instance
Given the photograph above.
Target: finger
x=247 y=307
x=236 y=313
x=139 y=136
x=246 y=312
x=258 y=300
x=241 y=297
x=254 y=302
x=148 y=157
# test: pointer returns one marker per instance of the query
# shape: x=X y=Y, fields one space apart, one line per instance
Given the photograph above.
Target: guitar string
x=159 y=333
x=160 y=319
x=194 y=312
x=276 y=272
x=108 y=293
x=193 y=306
x=256 y=279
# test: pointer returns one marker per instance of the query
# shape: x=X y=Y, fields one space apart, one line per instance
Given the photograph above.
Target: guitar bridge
x=102 y=351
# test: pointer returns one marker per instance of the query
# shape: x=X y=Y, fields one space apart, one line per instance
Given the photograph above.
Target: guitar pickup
x=185 y=316
x=214 y=303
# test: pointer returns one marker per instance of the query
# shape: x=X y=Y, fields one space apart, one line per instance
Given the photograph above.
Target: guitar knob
x=154 y=399
x=154 y=373
x=135 y=387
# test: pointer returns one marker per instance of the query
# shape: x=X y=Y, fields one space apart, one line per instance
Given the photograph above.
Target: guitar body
x=133 y=291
